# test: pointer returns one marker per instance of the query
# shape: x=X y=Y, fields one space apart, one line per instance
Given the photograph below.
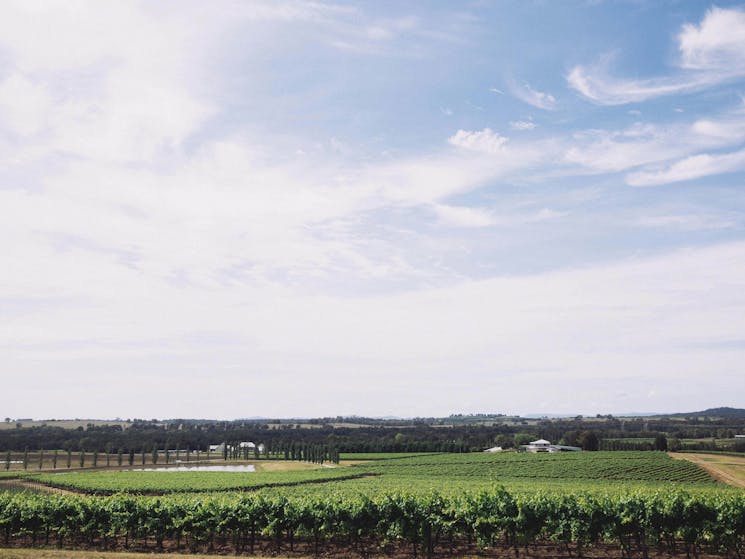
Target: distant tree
x=69 y=457
x=571 y=438
x=95 y=458
x=154 y=454
x=523 y=438
x=109 y=448
x=119 y=456
x=590 y=441
x=7 y=460
x=660 y=442
x=25 y=458
x=505 y=441
x=41 y=458
x=81 y=458
x=54 y=460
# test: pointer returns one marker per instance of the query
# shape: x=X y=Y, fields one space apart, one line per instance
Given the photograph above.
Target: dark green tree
x=589 y=440
x=660 y=442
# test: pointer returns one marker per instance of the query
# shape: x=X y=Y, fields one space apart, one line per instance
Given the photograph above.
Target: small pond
x=226 y=468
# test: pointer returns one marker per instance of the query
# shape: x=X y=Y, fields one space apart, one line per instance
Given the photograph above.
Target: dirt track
x=727 y=469
x=20 y=485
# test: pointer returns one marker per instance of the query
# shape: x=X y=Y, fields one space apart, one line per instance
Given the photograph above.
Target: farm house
x=542 y=445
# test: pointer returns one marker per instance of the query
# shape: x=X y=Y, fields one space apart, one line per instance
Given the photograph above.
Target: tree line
x=444 y=435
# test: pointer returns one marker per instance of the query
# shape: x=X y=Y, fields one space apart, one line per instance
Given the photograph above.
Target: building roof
x=541 y=442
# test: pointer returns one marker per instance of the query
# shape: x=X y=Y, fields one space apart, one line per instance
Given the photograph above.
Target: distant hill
x=713 y=412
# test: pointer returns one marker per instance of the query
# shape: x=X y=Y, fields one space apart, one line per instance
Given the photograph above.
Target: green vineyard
x=447 y=504
x=426 y=523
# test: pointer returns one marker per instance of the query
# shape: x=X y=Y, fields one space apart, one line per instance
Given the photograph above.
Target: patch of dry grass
x=728 y=469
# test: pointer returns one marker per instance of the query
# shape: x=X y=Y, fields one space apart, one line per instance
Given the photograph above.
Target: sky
x=310 y=209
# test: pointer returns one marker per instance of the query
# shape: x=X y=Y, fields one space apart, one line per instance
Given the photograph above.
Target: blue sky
x=309 y=209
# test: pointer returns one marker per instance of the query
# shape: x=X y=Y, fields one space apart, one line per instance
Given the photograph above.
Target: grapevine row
x=671 y=522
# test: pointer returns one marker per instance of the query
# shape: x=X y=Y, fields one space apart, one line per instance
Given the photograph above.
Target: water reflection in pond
x=234 y=468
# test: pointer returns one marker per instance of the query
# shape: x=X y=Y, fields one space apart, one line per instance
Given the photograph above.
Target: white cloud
x=485 y=140
x=687 y=222
x=527 y=94
x=693 y=167
x=718 y=43
x=523 y=125
x=123 y=100
x=551 y=329
x=24 y=106
x=595 y=84
x=460 y=216
x=644 y=144
x=710 y=54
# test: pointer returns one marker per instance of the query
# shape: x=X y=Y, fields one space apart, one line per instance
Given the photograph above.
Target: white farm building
x=542 y=445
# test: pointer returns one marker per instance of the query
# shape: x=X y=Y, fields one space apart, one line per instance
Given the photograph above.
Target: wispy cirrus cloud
x=710 y=53
x=526 y=94
x=689 y=168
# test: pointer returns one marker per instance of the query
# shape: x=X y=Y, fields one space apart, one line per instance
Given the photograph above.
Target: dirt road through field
x=727 y=469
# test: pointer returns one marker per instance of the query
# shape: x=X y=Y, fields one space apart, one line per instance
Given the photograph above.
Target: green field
x=148 y=482
x=381 y=455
